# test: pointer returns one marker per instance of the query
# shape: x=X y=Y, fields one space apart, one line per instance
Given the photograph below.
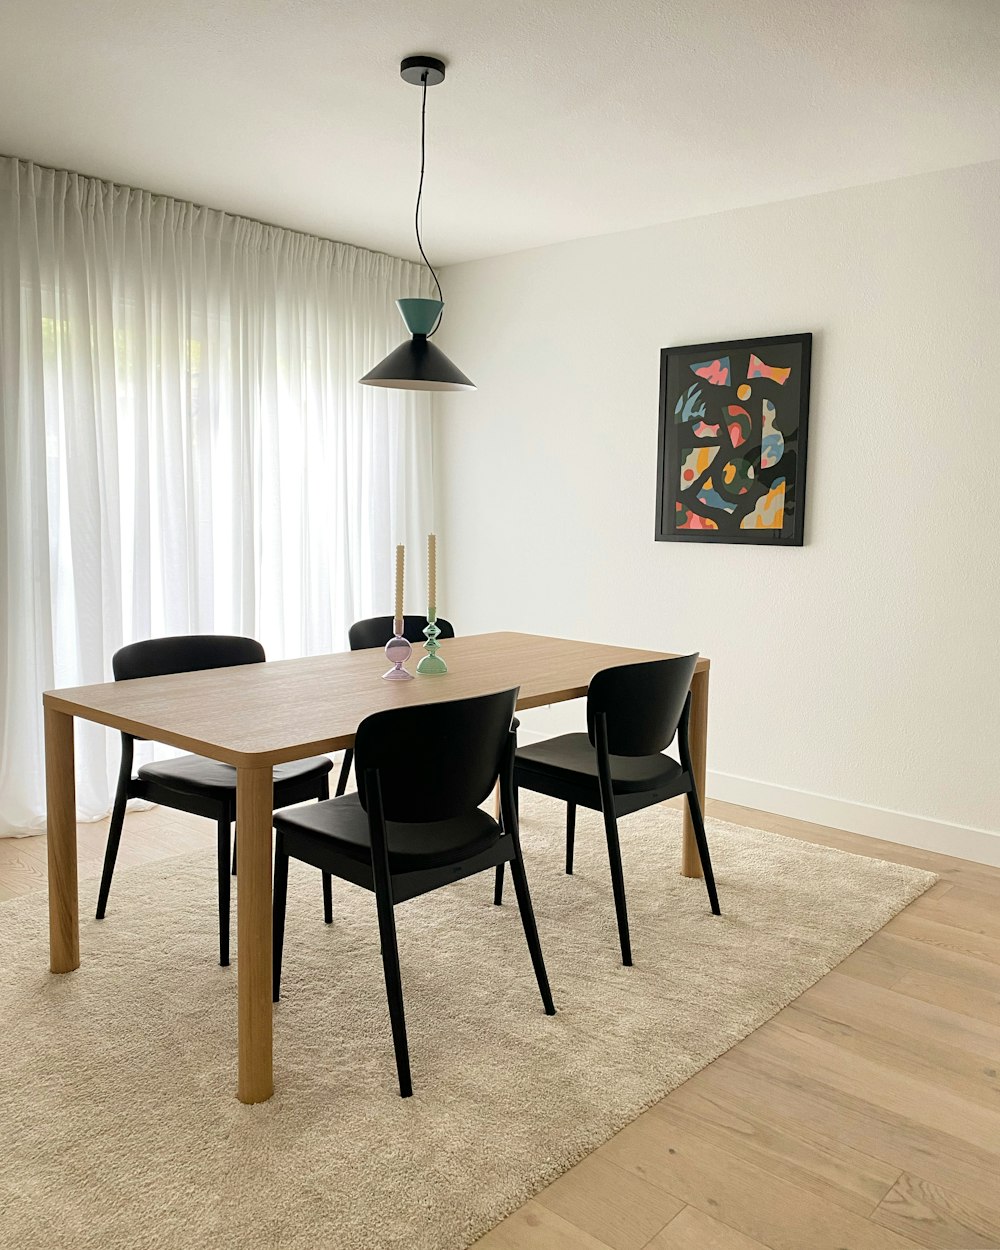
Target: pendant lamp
x=417 y=365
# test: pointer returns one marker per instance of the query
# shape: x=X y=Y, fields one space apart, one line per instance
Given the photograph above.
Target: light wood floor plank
x=965 y=909
x=953 y=939
x=874 y=966
x=939 y=1065
x=749 y=1199
x=791 y=1091
x=888 y=1087
x=614 y=1205
x=895 y=1013
x=535 y=1227
x=808 y=1158
x=923 y=957
x=694 y=1230
x=936 y=1217
x=967 y=1000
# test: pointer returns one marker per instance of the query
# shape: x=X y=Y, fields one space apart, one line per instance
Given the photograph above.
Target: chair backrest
x=642 y=702
x=155 y=657
x=437 y=760
x=377 y=630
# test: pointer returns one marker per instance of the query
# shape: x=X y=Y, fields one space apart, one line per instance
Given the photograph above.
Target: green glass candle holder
x=431 y=665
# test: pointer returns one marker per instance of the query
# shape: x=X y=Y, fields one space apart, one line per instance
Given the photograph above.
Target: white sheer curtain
x=185 y=445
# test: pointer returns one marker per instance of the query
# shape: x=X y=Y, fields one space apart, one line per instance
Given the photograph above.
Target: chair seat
x=193 y=774
x=572 y=758
x=341 y=826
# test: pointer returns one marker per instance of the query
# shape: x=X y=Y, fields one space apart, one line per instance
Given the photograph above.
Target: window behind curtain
x=185 y=444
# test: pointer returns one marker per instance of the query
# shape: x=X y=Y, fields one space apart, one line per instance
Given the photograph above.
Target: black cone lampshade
x=417 y=365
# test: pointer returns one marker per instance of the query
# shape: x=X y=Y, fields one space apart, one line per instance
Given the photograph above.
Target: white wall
x=855 y=679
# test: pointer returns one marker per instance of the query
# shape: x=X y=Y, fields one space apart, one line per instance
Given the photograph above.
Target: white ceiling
x=558 y=119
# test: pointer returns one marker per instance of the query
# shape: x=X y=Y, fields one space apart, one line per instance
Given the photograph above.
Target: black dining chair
x=191 y=783
x=410 y=829
x=618 y=767
x=375 y=631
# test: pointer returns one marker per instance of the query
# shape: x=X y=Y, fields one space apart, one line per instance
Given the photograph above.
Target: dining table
x=257 y=715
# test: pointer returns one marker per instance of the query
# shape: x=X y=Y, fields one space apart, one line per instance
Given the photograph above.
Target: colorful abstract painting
x=733 y=425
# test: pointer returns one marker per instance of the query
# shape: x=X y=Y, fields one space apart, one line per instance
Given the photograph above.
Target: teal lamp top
x=420 y=315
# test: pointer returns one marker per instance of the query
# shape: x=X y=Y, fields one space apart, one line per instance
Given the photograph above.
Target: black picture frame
x=731 y=414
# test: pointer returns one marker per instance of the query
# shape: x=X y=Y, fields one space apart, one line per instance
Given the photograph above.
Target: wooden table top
x=260 y=714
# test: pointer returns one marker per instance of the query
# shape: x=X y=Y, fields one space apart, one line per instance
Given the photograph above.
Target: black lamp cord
x=420 y=192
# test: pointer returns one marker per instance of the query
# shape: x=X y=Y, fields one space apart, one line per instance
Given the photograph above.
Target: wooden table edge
x=155 y=733
x=56 y=701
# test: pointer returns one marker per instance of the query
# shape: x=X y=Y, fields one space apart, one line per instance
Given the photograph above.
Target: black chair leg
x=278 y=916
x=694 y=806
x=111 y=852
x=327 y=898
x=570 y=836
x=618 y=885
x=393 y=984
x=345 y=771
x=235 y=837
x=531 y=932
x=224 y=835
x=328 y=883
x=498 y=883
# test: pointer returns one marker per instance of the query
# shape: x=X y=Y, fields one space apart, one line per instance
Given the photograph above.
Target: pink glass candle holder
x=397 y=652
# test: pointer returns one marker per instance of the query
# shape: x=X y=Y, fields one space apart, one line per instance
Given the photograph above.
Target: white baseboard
x=980 y=845
x=963 y=841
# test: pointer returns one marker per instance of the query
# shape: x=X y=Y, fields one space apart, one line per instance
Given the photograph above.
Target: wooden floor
x=864 y=1116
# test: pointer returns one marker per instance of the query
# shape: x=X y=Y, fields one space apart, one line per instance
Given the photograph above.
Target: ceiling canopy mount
x=422 y=68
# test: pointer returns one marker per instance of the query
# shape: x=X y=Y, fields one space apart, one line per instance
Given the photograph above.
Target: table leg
x=60 y=787
x=254 y=803
x=697 y=737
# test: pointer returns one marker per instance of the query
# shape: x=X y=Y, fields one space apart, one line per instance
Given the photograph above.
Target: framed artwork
x=734 y=418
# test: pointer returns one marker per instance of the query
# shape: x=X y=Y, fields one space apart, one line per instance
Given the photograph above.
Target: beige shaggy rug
x=118 y=1121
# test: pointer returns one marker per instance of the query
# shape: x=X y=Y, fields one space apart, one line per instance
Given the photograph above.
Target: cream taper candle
x=398 y=618
x=431 y=576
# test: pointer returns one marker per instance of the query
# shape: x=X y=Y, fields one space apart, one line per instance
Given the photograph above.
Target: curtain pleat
x=185 y=445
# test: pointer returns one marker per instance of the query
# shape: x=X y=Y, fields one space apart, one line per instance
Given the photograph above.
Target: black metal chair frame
x=222 y=811
x=614 y=805
x=391 y=888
